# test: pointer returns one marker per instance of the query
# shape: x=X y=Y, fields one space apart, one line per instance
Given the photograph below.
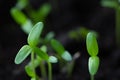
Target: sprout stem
x=33 y=67
x=92 y=77
x=49 y=71
x=118 y=25
x=43 y=70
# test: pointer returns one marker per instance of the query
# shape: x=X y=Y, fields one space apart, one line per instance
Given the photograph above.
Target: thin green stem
x=70 y=67
x=33 y=67
x=92 y=77
x=43 y=70
x=117 y=24
x=49 y=71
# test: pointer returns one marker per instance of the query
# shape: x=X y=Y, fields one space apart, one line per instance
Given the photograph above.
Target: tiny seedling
x=92 y=48
x=80 y=33
x=22 y=20
x=58 y=47
x=37 y=54
x=31 y=16
x=65 y=58
x=115 y=4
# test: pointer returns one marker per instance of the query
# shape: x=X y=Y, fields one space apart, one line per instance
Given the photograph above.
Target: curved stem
x=49 y=71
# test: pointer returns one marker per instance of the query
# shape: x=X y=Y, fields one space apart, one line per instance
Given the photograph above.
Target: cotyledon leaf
x=22 y=54
x=33 y=37
x=91 y=43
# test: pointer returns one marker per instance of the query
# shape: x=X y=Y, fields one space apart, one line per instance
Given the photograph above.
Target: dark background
x=66 y=15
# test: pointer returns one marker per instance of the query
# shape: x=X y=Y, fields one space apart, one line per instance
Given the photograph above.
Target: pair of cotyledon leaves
x=33 y=40
x=92 y=48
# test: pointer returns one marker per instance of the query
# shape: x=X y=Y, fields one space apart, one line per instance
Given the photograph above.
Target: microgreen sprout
x=32 y=16
x=80 y=33
x=37 y=54
x=92 y=48
x=115 y=4
x=58 y=47
x=22 y=20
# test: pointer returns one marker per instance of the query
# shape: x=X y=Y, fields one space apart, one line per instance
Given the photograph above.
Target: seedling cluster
x=38 y=47
x=39 y=54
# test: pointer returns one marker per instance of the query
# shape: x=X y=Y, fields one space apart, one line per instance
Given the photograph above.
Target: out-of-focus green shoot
x=115 y=4
x=80 y=33
x=32 y=16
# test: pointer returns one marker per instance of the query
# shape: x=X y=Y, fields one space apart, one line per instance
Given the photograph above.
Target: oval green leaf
x=33 y=37
x=93 y=65
x=66 y=56
x=52 y=59
x=91 y=43
x=18 y=16
x=22 y=54
x=57 y=46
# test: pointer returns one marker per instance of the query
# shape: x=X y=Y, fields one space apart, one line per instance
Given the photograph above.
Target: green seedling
x=65 y=58
x=58 y=47
x=115 y=4
x=18 y=16
x=92 y=48
x=70 y=65
x=80 y=33
x=31 y=17
x=41 y=13
x=21 y=19
x=37 y=54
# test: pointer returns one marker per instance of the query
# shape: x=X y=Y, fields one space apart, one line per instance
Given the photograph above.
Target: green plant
x=57 y=46
x=115 y=4
x=30 y=16
x=80 y=33
x=92 y=48
x=38 y=55
x=65 y=58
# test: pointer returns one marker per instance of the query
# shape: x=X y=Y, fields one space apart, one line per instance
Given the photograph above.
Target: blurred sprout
x=58 y=47
x=21 y=4
x=35 y=16
x=21 y=19
x=115 y=4
x=109 y=3
x=41 y=13
x=80 y=33
x=18 y=16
